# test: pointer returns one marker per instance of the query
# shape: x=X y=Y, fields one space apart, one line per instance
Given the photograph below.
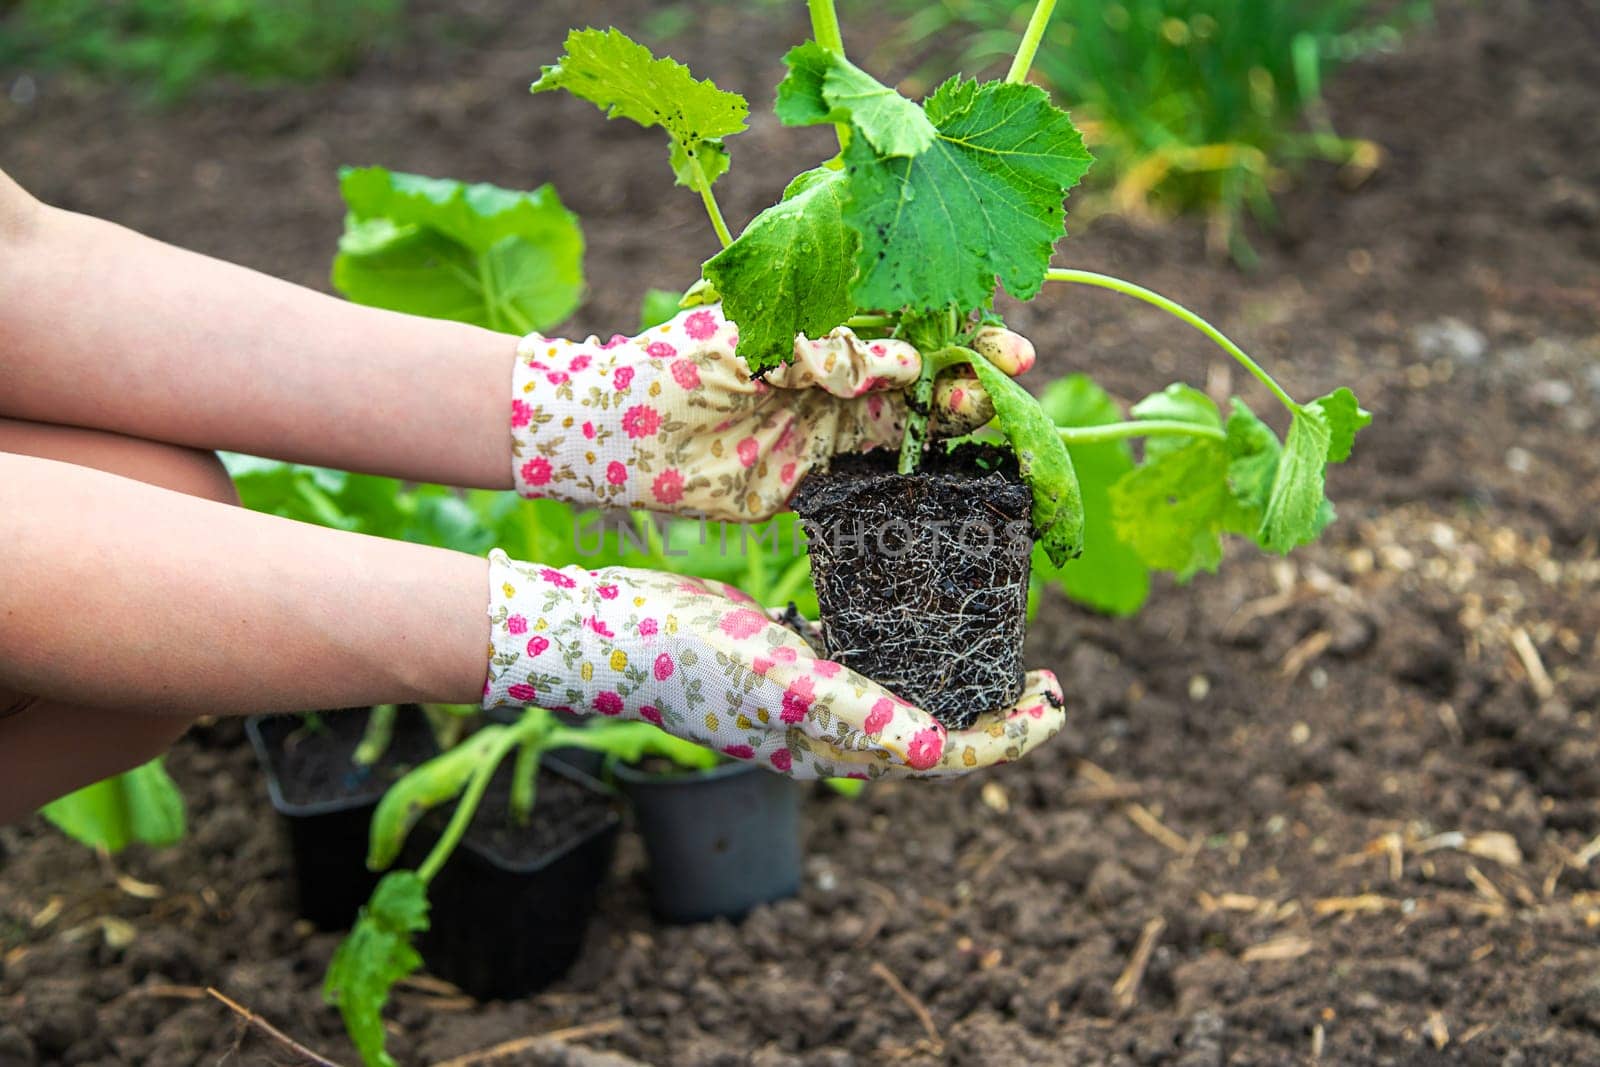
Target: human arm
x=121 y=332
x=129 y=596
x=119 y=594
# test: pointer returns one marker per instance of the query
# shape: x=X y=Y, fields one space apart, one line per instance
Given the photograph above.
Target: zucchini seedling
x=379 y=950
x=908 y=231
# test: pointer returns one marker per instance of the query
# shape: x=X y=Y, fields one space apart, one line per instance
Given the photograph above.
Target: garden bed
x=1260 y=778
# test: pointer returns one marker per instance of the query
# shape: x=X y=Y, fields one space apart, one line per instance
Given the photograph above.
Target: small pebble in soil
x=1450 y=338
x=1551 y=392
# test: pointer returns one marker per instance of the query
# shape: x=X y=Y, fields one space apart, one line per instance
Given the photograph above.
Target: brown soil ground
x=1338 y=805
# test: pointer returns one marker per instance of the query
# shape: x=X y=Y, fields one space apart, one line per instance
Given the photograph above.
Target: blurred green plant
x=506 y=260
x=141 y=806
x=1189 y=105
x=171 y=47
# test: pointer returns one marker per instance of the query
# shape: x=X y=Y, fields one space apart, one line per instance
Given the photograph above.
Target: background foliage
x=172 y=47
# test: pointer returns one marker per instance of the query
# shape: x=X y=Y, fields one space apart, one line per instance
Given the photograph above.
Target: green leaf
x=658 y=306
x=1346 y=418
x=375 y=955
x=1253 y=451
x=509 y=261
x=711 y=155
x=360 y=503
x=983 y=201
x=1170 y=508
x=621 y=77
x=823 y=87
x=789 y=272
x=436 y=782
x=1109 y=576
x=1058 y=520
x=1296 y=510
x=141 y=806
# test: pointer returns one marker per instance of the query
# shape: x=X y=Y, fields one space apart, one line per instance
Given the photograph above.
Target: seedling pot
x=326 y=813
x=719 y=841
x=511 y=908
x=922 y=579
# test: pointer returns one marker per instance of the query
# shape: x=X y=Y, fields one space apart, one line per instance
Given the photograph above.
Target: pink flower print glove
x=671 y=420
x=702 y=661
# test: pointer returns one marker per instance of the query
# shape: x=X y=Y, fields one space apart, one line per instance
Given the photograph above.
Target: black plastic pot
x=922 y=578
x=502 y=928
x=328 y=835
x=720 y=841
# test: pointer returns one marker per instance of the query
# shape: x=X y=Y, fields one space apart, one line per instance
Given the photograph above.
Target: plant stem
x=710 y=200
x=825 y=31
x=919 y=407
x=523 y=779
x=1030 y=40
x=446 y=722
x=1118 y=431
x=825 y=26
x=375 y=739
x=529 y=725
x=1173 y=308
x=859 y=322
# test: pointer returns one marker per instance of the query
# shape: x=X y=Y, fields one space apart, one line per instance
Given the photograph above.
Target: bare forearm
x=101 y=327
x=116 y=593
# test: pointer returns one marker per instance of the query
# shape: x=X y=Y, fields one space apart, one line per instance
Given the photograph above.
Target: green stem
x=863 y=322
x=1030 y=40
x=919 y=398
x=710 y=200
x=446 y=721
x=825 y=31
x=529 y=725
x=523 y=779
x=1139 y=292
x=375 y=739
x=1118 y=431
x=825 y=26
x=919 y=405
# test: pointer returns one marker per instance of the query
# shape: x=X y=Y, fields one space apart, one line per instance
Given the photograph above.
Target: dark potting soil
x=923 y=578
x=563 y=811
x=314 y=757
x=1348 y=744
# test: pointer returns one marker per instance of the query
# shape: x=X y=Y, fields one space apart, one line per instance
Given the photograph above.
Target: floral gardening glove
x=702 y=661
x=672 y=421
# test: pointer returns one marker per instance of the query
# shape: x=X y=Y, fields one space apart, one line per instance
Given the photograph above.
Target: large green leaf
x=1046 y=467
x=823 y=87
x=510 y=261
x=621 y=77
x=1109 y=576
x=983 y=201
x=789 y=272
x=141 y=806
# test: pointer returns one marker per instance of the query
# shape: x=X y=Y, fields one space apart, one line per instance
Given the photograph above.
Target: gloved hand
x=672 y=421
x=703 y=661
